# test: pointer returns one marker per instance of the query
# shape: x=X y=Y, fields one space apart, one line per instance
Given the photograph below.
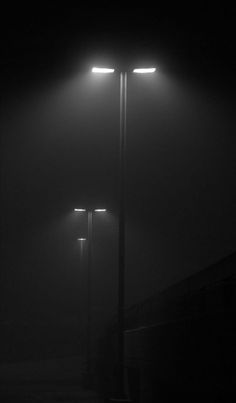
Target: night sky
x=60 y=150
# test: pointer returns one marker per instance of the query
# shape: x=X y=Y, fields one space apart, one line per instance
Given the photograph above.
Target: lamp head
x=102 y=70
x=145 y=70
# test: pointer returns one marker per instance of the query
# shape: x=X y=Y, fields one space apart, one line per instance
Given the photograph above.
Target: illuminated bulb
x=145 y=71
x=102 y=70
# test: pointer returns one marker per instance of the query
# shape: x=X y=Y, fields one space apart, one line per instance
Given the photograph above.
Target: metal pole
x=81 y=253
x=90 y=222
x=121 y=275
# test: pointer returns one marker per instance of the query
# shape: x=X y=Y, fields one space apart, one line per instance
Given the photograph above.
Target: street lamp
x=82 y=242
x=90 y=239
x=121 y=274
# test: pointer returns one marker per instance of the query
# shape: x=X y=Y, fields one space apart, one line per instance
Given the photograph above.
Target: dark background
x=60 y=150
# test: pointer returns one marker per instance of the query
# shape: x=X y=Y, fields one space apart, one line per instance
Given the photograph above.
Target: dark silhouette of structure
x=180 y=344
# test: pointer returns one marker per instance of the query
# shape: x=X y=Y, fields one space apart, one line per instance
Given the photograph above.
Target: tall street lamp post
x=121 y=246
x=89 y=313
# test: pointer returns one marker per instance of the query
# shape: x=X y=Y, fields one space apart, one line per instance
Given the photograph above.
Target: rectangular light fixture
x=102 y=70
x=99 y=210
x=145 y=70
x=79 y=209
x=81 y=239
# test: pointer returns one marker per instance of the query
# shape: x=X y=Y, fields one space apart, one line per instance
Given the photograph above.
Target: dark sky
x=60 y=139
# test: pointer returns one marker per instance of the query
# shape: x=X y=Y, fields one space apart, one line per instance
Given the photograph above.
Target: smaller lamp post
x=89 y=316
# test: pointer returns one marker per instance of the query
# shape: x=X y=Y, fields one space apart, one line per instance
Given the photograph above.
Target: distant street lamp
x=121 y=274
x=90 y=240
x=82 y=242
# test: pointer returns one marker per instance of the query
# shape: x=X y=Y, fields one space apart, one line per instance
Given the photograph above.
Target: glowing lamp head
x=145 y=70
x=81 y=239
x=100 y=210
x=79 y=209
x=102 y=70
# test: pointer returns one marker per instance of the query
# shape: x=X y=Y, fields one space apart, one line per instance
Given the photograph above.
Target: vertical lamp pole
x=121 y=262
x=121 y=247
x=82 y=245
x=89 y=311
x=90 y=223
